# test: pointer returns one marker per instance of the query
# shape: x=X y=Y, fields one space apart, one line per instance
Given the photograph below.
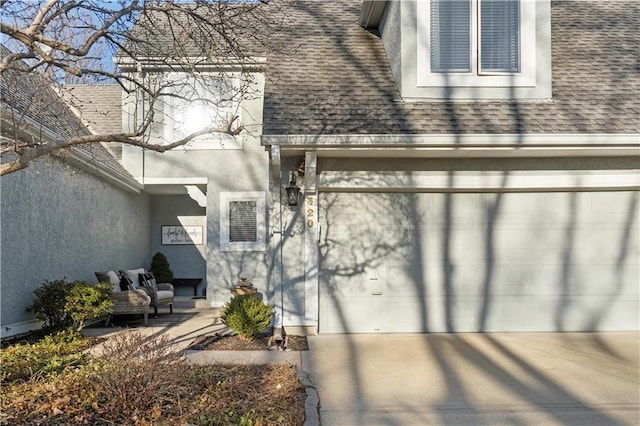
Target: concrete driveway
x=476 y=379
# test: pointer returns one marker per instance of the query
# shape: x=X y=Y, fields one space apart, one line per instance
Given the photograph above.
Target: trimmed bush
x=246 y=315
x=161 y=269
x=86 y=302
x=61 y=304
x=48 y=305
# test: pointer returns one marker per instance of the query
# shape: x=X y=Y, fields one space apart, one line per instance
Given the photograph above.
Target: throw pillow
x=126 y=284
x=114 y=280
x=153 y=278
x=147 y=280
x=133 y=275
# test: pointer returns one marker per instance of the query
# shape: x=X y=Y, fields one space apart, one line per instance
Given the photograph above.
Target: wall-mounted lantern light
x=293 y=191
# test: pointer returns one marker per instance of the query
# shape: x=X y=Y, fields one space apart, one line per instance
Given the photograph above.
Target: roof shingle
x=338 y=80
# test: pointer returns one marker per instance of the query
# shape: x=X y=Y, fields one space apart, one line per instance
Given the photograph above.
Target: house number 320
x=310 y=212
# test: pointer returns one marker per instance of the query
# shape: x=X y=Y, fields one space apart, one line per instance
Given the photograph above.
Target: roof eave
x=371 y=13
x=451 y=145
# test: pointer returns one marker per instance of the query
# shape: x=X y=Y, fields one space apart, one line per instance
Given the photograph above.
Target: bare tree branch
x=51 y=43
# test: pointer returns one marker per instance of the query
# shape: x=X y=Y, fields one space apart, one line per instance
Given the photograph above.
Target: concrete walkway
x=476 y=379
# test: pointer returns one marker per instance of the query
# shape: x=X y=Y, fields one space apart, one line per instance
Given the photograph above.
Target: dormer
x=465 y=49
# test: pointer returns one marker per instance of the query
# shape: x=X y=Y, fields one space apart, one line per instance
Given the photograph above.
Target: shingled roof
x=100 y=108
x=30 y=95
x=37 y=105
x=166 y=32
x=338 y=81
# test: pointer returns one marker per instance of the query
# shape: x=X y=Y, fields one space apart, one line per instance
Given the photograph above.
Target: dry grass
x=139 y=380
x=216 y=342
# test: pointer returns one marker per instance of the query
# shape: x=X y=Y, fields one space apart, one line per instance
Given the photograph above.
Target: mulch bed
x=216 y=342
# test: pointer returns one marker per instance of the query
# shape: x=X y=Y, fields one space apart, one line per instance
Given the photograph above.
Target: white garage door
x=478 y=262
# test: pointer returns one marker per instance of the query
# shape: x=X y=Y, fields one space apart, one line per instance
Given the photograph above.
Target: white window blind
x=500 y=36
x=451 y=35
x=456 y=34
x=243 y=225
x=242 y=221
x=486 y=44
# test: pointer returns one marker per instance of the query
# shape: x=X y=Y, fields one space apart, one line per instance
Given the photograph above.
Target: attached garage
x=468 y=262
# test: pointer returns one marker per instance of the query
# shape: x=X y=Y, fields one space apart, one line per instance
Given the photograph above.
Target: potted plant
x=161 y=269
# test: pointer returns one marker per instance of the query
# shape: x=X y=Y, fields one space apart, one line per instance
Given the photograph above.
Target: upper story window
x=476 y=43
x=200 y=102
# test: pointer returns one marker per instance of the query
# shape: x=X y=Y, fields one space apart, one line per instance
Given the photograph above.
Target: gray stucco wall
x=392 y=39
x=186 y=261
x=243 y=170
x=225 y=170
x=59 y=222
x=293 y=256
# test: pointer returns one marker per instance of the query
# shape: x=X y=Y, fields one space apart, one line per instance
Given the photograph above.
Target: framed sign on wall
x=182 y=235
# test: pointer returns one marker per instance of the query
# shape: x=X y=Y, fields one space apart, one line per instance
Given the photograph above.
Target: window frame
x=259 y=198
x=526 y=77
x=215 y=141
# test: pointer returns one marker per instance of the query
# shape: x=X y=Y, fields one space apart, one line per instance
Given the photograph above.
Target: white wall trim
x=200 y=62
x=311 y=239
x=453 y=140
x=456 y=146
x=261 y=239
x=176 y=181
x=442 y=181
x=18 y=328
x=88 y=162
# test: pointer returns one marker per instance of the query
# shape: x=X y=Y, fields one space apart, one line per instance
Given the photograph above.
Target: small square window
x=242 y=221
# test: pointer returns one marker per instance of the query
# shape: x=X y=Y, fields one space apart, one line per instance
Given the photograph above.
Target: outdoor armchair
x=128 y=302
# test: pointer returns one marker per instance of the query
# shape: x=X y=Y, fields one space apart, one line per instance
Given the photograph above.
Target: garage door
x=401 y=262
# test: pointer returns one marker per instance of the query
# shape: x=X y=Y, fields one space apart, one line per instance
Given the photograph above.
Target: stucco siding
x=187 y=261
x=224 y=170
x=59 y=222
x=392 y=40
x=224 y=268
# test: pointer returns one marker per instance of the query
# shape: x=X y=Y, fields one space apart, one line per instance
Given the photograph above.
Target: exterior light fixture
x=293 y=191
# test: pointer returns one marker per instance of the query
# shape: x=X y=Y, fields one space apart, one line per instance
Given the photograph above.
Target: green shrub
x=246 y=315
x=161 y=269
x=86 y=302
x=61 y=304
x=51 y=355
x=49 y=302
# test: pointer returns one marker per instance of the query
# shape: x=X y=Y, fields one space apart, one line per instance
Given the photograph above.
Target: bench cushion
x=164 y=295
